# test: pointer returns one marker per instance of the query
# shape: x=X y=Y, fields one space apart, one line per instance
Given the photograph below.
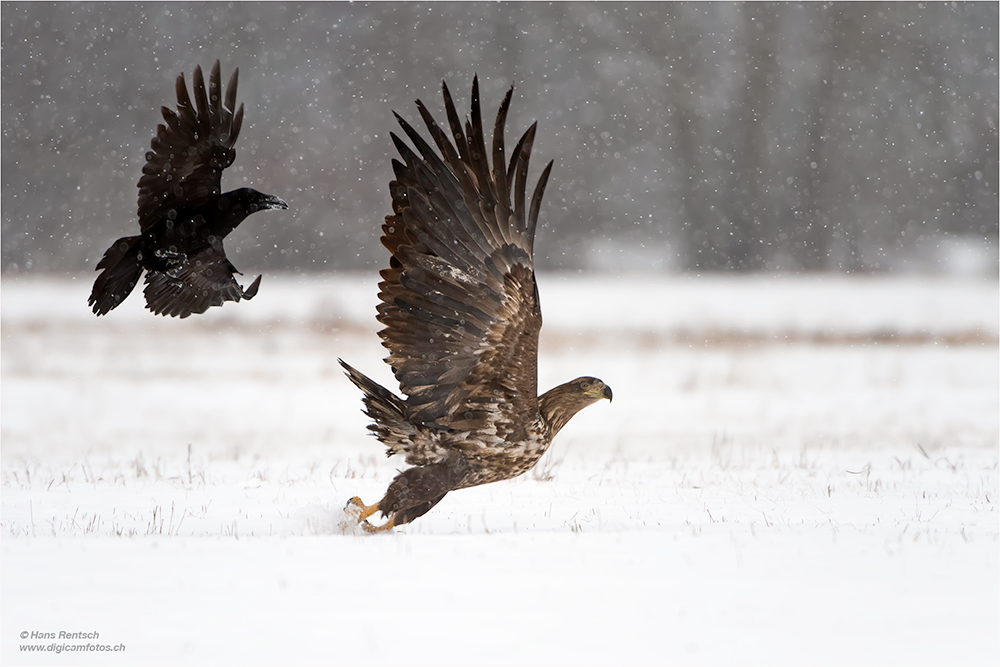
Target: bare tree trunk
x=810 y=237
x=748 y=209
x=700 y=251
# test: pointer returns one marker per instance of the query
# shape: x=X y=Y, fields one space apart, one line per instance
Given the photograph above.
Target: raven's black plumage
x=462 y=316
x=183 y=213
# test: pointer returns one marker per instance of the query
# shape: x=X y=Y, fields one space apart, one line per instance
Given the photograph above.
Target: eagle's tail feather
x=386 y=410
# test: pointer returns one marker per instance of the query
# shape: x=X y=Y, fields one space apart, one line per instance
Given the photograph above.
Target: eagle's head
x=593 y=388
x=558 y=405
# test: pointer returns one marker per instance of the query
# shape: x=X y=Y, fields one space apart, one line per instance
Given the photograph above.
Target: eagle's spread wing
x=459 y=301
x=194 y=284
x=189 y=152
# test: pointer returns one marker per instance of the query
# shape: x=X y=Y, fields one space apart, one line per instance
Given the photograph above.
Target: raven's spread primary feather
x=183 y=213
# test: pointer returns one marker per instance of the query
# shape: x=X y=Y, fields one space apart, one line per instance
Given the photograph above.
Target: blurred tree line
x=687 y=136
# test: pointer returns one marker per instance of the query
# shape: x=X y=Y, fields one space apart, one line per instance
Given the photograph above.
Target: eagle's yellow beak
x=599 y=390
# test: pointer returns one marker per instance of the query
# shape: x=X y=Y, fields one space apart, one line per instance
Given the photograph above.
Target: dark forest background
x=686 y=136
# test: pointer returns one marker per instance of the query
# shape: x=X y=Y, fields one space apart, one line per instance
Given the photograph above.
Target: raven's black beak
x=270 y=201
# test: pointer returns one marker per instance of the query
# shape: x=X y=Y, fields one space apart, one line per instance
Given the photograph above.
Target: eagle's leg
x=411 y=513
x=398 y=518
x=388 y=525
x=366 y=510
x=415 y=491
x=411 y=494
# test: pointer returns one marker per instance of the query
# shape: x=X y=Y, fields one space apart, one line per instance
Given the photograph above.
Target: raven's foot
x=176 y=265
x=170 y=255
x=251 y=291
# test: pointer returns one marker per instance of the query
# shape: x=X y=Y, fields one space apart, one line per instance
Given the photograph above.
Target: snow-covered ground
x=793 y=471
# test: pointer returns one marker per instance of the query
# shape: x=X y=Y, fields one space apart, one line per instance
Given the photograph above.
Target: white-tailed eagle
x=461 y=314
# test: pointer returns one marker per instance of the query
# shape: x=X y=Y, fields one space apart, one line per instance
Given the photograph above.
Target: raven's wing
x=194 y=284
x=459 y=301
x=189 y=153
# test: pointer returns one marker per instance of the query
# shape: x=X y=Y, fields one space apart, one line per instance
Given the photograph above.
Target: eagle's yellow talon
x=388 y=525
x=366 y=510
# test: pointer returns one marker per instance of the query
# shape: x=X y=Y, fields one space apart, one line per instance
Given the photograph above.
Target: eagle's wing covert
x=459 y=301
x=190 y=151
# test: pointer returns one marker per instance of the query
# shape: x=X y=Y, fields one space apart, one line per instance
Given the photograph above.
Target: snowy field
x=793 y=471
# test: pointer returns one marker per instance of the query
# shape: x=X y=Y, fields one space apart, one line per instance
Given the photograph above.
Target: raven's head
x=236 y=205
x=258 y=201
x=247 y=201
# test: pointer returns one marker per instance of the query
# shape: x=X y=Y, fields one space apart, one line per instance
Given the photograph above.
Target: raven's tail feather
x=122 y=268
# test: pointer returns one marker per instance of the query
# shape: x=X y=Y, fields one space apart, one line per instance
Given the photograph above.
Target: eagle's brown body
x=462 y=316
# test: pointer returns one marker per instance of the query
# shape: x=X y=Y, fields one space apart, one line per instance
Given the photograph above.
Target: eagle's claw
x=356 y=508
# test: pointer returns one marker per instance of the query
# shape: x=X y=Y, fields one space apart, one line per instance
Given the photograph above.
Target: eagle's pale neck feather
x=558 y=405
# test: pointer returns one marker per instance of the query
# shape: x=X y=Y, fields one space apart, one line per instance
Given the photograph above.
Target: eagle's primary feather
x=461 y=314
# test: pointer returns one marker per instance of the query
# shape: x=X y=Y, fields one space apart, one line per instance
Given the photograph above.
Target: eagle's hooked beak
x=599 y=390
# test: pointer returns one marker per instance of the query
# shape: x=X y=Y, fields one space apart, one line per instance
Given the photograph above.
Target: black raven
x=183 y=213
